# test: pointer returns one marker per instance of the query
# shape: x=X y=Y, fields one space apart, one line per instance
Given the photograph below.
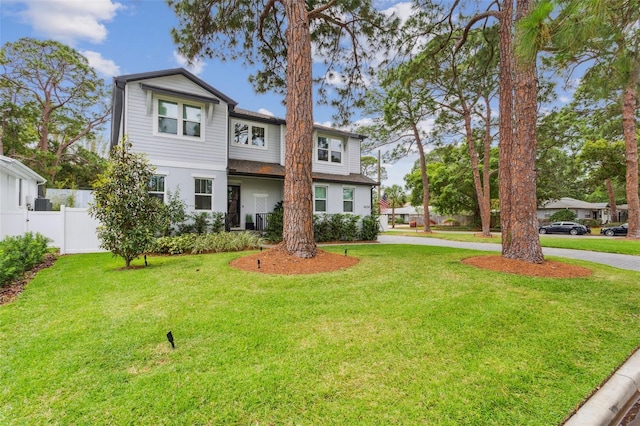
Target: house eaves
x=15 y=168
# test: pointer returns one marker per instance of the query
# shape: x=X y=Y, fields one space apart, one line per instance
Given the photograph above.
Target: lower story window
x=203 y=194
x=156 y=187
x=347 y=200
x=320 y=198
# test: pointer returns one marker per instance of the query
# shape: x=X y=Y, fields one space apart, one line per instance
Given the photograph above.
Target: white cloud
x=71 y=20
x=265 y=112
x=196 y=67
x=104 y=66
x=324 y=123
x=403 y=11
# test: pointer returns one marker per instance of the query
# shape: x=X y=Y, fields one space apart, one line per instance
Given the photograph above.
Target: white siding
x=361 y=201
x=184 y=180
x=269 y=155
x=139 y=126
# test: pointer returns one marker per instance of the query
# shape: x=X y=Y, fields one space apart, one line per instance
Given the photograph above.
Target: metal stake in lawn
x=170 y=338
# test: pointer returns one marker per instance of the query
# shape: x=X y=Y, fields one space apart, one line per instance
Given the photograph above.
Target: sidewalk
x=622 y=261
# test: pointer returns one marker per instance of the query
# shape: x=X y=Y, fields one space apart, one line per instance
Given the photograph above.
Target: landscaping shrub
x=563 y=215
x=20 y=254
x=370 y=228
x=274 y=227
x=330 y=227
x=207 y=243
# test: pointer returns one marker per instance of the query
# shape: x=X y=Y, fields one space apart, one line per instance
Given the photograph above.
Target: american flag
x=383 y=203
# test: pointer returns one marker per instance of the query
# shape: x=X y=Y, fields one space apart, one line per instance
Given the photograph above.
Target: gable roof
x=120 y=82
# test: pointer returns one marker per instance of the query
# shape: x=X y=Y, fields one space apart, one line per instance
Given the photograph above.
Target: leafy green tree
x=605 y=162
x=369 y=168
x=280 y=35
x=129 y=216
x=605 y=35
x=518 y=91
x=405 y=106
x=52 y=96
x=396 y=198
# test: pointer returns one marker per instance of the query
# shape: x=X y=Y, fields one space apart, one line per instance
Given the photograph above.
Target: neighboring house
x=582 y=210
x=18 y=192
x=225 y=159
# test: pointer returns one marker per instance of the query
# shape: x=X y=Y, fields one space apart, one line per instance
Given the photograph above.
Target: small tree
x=396 y=198
x=129 y=217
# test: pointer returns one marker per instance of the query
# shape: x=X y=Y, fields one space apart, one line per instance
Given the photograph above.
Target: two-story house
x=225 y=159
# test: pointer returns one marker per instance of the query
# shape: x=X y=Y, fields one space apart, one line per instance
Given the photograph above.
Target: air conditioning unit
x=43 y=205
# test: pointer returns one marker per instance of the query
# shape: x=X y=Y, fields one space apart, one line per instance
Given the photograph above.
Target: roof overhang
x=19 y=170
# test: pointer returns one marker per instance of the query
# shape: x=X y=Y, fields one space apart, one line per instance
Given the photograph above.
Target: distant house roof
x=571 y=203
x=17 y=169
x=274 y=170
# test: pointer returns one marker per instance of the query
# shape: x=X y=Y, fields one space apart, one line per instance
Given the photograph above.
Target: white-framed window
x=203 y=193
x=249 y=134
x=329 y=150
x=348 y=194
x=320 y=198
x=156 y=187
x=179 y=119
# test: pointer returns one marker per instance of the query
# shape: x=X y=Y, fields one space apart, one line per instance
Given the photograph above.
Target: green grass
x=600 y=244
x=410 y=335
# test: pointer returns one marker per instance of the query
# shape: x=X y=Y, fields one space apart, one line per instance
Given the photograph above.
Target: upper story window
x=180 y=119
x=247 y=134
x=156 y=187
x=329 y=149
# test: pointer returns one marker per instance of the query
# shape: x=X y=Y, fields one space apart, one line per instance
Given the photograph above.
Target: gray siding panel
x=269 y=155
x=140 y=127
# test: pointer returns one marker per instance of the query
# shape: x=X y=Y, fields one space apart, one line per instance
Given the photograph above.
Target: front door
x=233 y=205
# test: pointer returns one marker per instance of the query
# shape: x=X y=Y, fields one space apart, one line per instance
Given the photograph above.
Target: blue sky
x=131 y=36
x=121 y=37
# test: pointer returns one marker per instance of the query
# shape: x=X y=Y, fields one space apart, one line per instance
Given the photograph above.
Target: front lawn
x=409 y=335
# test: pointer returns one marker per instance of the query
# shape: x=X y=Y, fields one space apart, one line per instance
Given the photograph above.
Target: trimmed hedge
x=20 y=254
x=207 y=243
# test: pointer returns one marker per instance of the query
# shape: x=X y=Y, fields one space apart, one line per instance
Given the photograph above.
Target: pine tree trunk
x=475 y=169
x=612 y=200
x=631 y=153
x=425 y=181
x=297 y=232
x=520 y=238
x=506 y=123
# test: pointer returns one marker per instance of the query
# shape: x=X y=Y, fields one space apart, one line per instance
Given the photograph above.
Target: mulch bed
x=9 y=292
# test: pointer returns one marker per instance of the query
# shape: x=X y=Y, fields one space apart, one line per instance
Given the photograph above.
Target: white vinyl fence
x=72 y=230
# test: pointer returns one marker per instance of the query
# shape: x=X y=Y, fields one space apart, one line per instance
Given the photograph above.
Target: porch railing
x=262 y=221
